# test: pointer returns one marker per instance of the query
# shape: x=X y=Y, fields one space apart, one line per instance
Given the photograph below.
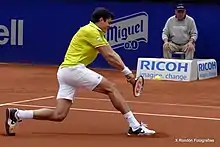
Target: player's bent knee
x=106 y=87
x=59 y=116
x=62 y=109
x=111 y=88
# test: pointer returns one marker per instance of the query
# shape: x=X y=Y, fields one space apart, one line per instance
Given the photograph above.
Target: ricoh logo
x=14 y=33
x=128 y=31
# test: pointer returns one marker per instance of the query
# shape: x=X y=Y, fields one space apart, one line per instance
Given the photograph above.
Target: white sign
x=128 y=31
x=207 y=68
x=14 y=34
x=167 y=69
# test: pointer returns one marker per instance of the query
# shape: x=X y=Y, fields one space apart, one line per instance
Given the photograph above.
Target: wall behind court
x=41 y=31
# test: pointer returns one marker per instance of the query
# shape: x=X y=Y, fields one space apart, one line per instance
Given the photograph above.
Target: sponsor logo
x=12 y=34
x=164 y=66
x=207 y=68
x=129 y=31
x=175 y=70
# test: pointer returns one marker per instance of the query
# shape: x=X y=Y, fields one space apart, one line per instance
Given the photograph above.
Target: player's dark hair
x=101 y=12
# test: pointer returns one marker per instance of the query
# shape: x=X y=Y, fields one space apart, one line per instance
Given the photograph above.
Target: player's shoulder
x=88 y=29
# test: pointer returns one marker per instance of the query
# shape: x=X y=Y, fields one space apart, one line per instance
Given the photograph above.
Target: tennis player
x=73 y=74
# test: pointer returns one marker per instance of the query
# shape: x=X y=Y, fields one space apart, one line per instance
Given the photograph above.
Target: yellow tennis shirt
x=82 y=48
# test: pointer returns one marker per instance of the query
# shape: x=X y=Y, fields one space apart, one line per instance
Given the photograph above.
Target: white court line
x=28 y=100
x=2 y=63
x=107 y=100
x=153 y=103
x=117 y=112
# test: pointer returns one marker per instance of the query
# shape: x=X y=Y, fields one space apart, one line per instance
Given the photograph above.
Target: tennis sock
x=25 y=114
x=133 y=123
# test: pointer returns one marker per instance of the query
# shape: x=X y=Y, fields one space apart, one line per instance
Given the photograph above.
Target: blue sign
x=40 y=31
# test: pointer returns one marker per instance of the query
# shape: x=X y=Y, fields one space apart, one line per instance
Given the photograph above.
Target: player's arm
x=100 y=43
x=113 y=58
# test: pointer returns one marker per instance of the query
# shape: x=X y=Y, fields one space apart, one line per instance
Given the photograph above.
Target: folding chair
x=181 y=54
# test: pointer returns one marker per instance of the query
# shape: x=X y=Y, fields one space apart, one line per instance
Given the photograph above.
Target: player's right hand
x=130 y=78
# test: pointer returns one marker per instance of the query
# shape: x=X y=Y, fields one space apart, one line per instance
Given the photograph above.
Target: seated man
x=179 y=34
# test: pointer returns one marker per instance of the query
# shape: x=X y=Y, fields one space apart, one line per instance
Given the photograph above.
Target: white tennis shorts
x=71 y=78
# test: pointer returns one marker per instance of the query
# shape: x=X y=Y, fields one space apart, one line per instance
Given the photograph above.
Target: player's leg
x=95 y=82
x=169 y=49
x=64 y=101
x=109 y=88
x=14 y=115
x=57 y=114
x=118 y=101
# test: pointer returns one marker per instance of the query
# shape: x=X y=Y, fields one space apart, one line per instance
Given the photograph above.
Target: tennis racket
x=138 y=86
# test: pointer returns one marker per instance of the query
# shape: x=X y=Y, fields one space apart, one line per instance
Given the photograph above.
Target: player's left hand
x=130 y=78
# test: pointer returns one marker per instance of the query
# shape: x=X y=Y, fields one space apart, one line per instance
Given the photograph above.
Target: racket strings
x=139 y=86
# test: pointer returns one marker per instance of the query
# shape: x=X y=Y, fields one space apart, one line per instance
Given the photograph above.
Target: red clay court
x=175 y=110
